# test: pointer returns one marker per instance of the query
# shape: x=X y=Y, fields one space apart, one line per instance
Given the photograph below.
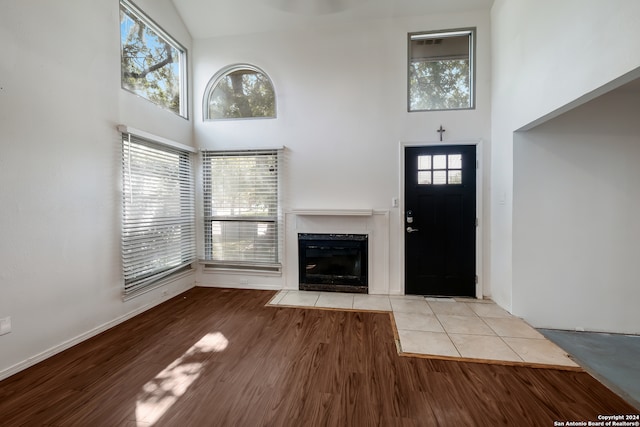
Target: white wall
x=546 y=55
x=342 y=113
x=576 y=235
x=60 y=102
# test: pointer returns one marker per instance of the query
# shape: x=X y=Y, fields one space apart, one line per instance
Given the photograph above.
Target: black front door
x=440 y=220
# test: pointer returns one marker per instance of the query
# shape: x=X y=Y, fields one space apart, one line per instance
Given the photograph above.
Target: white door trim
x=479 y=206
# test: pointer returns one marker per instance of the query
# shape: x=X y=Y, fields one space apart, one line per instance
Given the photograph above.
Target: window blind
x=158 y=212
x=437 y=46
x=241 y=207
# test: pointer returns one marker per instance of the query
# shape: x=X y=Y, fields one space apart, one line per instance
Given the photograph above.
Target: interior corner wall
x=60 y=102
x=545 y=55
x=576 y=233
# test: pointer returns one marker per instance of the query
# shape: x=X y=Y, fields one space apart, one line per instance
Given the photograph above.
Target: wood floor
x=214 y=357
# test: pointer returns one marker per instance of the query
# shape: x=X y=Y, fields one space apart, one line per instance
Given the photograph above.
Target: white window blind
x=158 y=212
x=241 y=208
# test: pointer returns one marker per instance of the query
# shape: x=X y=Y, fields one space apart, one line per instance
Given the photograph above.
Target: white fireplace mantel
x=332 y=212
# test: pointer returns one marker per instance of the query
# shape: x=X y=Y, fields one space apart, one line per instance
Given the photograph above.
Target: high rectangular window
x=441 y=70
x=153 y=64
x=158 y=212
x=241 y=208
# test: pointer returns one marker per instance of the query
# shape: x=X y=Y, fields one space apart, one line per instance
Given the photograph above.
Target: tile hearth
x=445 y=327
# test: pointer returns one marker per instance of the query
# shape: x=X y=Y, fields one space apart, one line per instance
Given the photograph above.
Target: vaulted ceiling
x=213 y=18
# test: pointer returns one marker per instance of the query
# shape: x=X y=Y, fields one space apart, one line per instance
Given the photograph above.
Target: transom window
x=239 y=91
x=441 y=72
x=440 y=169
x=153 y=64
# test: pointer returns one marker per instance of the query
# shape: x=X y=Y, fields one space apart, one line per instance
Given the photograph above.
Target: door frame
x=478 y=143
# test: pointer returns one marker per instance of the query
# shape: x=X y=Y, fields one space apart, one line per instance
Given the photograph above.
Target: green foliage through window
x=240 y=91
x=439 y=85
x=152 y=62
x=241 y=206
x=441 y=70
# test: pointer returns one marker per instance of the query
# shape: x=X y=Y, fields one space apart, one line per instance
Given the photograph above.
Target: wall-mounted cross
x=440 y=131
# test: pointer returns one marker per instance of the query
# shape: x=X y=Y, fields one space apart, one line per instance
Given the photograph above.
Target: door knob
x=411 y=230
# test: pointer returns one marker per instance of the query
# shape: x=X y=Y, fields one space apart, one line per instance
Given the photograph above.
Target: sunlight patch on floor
x=159 y=394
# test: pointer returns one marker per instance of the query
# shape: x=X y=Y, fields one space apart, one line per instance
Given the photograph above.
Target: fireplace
x=333 y=262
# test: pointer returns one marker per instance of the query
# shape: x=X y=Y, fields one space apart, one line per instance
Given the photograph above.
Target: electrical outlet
x=5 y=325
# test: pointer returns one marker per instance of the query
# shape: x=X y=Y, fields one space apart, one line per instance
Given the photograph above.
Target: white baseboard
x=12 y=370
x=255 y=286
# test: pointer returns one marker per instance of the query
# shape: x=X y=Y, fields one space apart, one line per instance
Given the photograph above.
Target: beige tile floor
x=445 y=327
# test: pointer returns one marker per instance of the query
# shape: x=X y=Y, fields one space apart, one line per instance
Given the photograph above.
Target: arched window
x=239 y=91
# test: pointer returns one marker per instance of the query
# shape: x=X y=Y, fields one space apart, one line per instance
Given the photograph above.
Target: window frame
x=472 y=33
x=277 y=219
x=140 y=231
x=183 y=72
x=221 y=74
x=449 y=168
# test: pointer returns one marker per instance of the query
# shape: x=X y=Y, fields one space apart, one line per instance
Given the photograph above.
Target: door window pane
x=439 y=177
x=440 y=169
x=455 y=161
x=440 y=162
x=424 y=177
x=424 y=162
x=455 y=177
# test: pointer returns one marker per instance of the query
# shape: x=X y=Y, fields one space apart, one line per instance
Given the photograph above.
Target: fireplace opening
x=333 y=262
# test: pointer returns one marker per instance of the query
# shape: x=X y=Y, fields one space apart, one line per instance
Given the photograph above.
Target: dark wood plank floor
x=216 y=357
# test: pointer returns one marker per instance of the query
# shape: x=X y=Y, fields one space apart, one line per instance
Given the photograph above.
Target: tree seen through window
x=441 y=70
x=151 y=62
x=240 y=92
x=439 y=85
